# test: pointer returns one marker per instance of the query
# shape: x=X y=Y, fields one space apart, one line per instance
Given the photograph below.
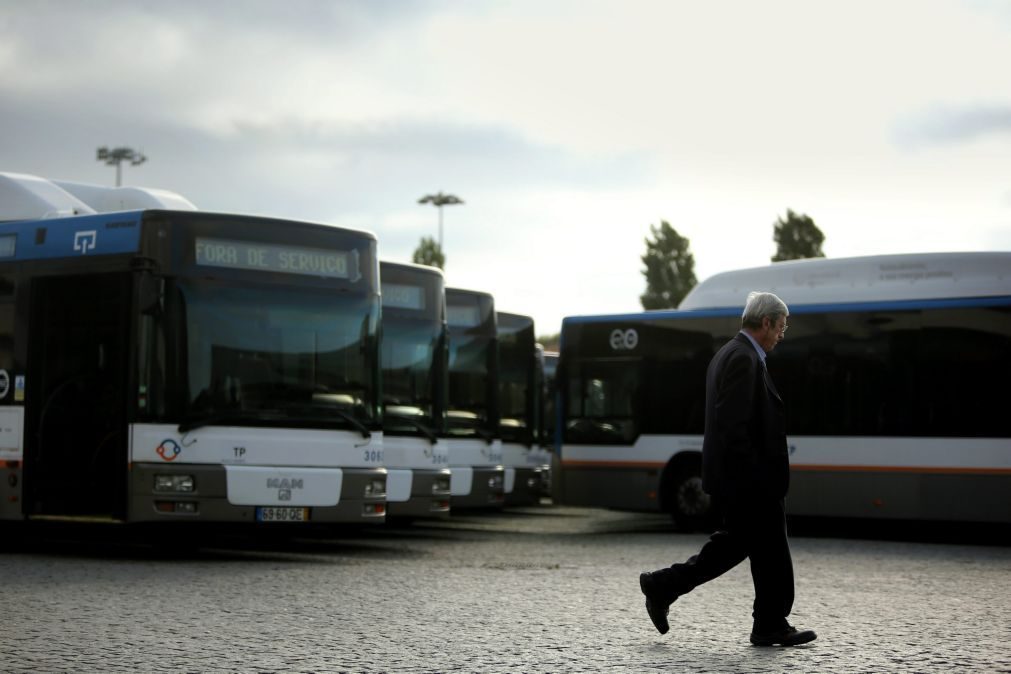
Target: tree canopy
x=428 y=252
x=669 y=268
x=797 y=238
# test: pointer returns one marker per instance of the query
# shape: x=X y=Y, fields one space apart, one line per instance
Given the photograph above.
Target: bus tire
x=690 y=506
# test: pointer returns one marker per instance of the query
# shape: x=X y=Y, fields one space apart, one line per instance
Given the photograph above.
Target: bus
x=181 y=366
x=472 y=417
x=527 y=464
x=415 y=360
x=894 y=374
x=549 y=416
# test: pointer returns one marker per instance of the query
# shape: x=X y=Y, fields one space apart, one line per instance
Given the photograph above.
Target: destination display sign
x=397 y=296
x=463 y=316
x=276 y=258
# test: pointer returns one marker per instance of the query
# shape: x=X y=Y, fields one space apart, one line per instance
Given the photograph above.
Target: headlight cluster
x=180 y=484
x=375 y=487
x=440 y=485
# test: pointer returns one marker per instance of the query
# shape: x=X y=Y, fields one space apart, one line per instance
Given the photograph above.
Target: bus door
x=76 y=382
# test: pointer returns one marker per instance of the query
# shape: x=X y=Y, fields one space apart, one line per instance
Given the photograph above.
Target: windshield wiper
x=351 y=419
x=273 y=414
x=487 y=435
x=343 y=414
x=425 y=430
x=214 y=418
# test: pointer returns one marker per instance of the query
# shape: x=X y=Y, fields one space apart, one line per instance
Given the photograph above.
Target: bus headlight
x=440 y=485
x=375 y=487
x=174 y=483
x=495 y=483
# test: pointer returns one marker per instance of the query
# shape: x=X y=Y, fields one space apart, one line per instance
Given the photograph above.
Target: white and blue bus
x=472 y=417
x=415 y=362
x=894 y=373
x=527 y=464
x=549 y=416
x=181 y=366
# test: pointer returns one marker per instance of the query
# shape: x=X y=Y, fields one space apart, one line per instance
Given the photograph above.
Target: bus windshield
x=410 y=366
x=271 y=355
x=516 y=348
x=471 y=410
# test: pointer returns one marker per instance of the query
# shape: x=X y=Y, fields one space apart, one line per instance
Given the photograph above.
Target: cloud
x=304 y=169
x=950 y=125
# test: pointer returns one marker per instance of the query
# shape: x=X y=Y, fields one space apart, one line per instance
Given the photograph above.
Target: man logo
x=85 y=241
x=624 y=340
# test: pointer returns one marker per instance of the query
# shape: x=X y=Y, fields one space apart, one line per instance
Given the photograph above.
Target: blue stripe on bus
x=78 y=236
x=835 y=307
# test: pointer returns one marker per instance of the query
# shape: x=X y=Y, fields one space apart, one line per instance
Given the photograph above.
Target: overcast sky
x=568 y=128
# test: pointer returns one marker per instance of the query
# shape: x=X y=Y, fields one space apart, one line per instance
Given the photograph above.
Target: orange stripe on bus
x=958 y=470
x=613 y=464
x=949 y=470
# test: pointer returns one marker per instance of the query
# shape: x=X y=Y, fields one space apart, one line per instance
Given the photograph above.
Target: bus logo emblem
x=85 y=241
x=624 y=340
x=169 y=449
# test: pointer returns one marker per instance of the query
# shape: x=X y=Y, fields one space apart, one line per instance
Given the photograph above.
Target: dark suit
x=744 y=452
x=745 y=467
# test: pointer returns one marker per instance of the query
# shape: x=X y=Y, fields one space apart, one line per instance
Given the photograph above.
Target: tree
x=550 y=342
x=796 y=238
x=429 y=252
x=670 y=268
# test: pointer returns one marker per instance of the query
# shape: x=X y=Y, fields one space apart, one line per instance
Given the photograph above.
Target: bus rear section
x=185 y=366
x=472 y=426
x=890 y=374
x=527 y=464
x=415 y=361
x=632 y=394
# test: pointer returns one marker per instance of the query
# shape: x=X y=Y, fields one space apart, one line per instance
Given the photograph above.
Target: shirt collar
x=759 y=349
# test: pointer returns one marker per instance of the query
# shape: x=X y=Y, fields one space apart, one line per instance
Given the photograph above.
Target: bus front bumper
x=529 y=485
x=202 y=495
x=430 y=496
x=478 y=487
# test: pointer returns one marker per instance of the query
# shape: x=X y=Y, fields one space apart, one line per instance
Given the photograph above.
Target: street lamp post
x=439 y=200
x=118 y=155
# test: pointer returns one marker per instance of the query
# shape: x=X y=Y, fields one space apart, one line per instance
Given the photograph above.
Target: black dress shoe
x=656 y=607
x=784 y=636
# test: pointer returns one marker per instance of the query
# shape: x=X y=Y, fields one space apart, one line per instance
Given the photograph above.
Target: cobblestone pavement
x=546 y=589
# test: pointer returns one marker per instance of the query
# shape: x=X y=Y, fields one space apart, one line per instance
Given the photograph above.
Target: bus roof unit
x=110 y=199
x=28 y=197
x=861 y=279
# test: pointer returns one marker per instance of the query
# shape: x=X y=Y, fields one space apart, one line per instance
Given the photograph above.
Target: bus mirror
x=149 y=292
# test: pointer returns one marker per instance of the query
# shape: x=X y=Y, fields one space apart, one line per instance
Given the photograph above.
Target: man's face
x=772 y=333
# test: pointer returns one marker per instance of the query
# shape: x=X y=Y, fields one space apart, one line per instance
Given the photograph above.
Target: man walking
x=746 y=469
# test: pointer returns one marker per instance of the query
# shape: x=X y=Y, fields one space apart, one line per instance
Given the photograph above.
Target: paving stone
x=547 y=589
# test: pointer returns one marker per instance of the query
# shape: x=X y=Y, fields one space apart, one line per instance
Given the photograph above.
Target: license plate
x=274 y=514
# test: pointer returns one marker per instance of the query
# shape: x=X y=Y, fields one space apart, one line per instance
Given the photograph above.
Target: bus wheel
x=691 y=507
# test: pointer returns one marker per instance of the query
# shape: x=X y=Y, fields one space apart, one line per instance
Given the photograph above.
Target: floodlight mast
x=439 y=200
x=118 y=155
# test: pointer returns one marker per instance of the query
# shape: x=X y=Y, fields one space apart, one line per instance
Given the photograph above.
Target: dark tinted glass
x=276 y=355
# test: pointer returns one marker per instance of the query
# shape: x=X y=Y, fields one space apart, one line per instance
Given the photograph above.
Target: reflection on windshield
x=410 y=373
x=471 y=411
x=513 y=406
x=600 y=406
x=275 y=354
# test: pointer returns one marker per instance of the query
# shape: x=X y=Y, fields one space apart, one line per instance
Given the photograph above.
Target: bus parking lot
x=539 y=589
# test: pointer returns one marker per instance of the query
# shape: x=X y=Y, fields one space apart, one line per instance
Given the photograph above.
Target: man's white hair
x=759 y=305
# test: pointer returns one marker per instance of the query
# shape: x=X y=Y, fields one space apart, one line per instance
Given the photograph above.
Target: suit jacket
x=744 y=453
